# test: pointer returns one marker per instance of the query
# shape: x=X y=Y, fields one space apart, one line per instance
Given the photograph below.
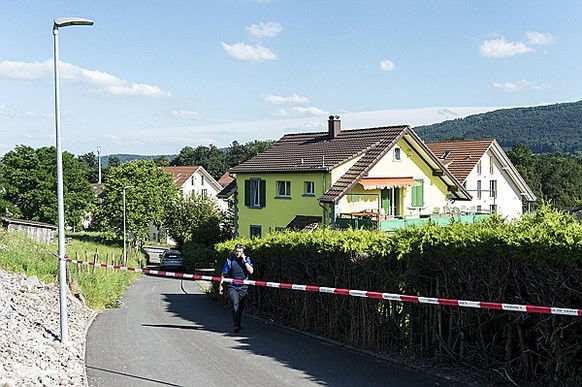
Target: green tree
x=151 y=190
x=30 y=178
x=209 y=157
x=197 y=219
x=90 y=166
x=162 y=161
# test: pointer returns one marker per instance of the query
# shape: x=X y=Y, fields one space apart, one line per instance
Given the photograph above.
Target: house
x=339 y=175
x=191 y=180
x=487 y=173
x=195 y=179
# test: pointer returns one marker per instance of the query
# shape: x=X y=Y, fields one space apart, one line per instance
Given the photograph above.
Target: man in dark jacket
x=237 y=267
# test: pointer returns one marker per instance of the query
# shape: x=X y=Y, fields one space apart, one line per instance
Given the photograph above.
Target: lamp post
x=124 y=232
x=99 y=161
x=58 y=23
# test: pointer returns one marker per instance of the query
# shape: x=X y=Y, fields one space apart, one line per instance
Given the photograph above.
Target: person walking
x=237 y=266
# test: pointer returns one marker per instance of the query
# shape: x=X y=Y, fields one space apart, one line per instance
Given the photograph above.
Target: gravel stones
x=31 y=353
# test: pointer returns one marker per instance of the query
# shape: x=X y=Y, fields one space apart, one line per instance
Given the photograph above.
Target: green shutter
x=247 y=193
x=418 y=194
x=262 y=193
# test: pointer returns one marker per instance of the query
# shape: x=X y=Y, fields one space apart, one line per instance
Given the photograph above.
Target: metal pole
x=124 y=221
x=99 y=161
x=124 y=250
x=62 y=256
x=60 y=200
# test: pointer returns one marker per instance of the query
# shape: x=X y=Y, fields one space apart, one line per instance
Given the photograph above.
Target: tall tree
x=90 y=166
x=151 y=190
x=31 y=184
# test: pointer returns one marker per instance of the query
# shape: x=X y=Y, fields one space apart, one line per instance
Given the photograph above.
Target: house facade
x=196 y=180
x=487 y=173
x=327 y=177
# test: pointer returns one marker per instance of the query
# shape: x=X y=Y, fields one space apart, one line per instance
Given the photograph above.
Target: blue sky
x=150 y=77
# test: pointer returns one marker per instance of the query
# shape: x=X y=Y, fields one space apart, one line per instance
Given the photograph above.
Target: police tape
x=351 y=292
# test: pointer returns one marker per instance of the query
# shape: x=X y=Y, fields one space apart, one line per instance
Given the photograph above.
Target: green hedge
x=536 y=261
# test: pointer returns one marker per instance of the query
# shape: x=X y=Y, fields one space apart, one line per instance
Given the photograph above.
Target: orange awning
x=387 y=182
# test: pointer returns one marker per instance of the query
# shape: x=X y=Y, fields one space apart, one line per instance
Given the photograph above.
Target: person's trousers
x=237 y=295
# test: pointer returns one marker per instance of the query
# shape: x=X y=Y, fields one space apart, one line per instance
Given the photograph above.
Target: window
x=478 y=189
x=204 y=192
x=397 y=154
x=192 y=180
x=491 y=166
x=284 y=189
x=418 y=194
x=255 y=193
x=493 y=209
x=309 y=188
x=493 y=189
x=479 y=210
x=255 y=231
x=201 y=180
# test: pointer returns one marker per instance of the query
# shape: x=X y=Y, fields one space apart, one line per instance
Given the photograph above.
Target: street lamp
x=124 y=232
x=99 y=161
x=57 y=23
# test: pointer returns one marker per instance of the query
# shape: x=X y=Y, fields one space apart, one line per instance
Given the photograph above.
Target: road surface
x=168 y=333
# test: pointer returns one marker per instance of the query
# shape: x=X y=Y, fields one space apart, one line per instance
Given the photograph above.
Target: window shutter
x=418 y=194
x=263 y=196
x=247 y=193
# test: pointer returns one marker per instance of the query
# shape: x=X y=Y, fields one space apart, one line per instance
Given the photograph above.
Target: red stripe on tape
x=374 y=295
x=343 y=292
x=406 y=298
x=448 y=302
x=538 y=309
x=491 y=305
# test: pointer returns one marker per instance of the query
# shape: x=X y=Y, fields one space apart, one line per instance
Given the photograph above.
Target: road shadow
x=322 y=362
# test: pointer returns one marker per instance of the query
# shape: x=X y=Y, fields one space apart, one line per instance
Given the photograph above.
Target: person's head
x=238 y=250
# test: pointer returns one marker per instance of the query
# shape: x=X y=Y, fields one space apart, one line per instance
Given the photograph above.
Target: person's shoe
x=236 y=329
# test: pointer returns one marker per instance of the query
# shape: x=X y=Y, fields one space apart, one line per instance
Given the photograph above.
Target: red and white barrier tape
x=354 y=293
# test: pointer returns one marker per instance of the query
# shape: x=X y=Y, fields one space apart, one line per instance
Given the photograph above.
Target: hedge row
x=536 y=261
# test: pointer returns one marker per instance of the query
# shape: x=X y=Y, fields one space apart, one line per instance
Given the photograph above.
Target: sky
x=151 y=77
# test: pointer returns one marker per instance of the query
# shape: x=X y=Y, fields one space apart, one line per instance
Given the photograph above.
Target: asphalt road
x=168 y=333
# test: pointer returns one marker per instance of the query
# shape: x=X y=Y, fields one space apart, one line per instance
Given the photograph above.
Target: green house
x=339 y=177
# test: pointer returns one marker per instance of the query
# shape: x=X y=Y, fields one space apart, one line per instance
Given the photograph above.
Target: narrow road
x=168 y=333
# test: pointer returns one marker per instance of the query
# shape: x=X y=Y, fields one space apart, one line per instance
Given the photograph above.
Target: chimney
x=334 y=126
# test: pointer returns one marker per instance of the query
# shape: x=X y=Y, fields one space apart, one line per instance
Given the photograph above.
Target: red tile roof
x=181 y=174
x=460 y=157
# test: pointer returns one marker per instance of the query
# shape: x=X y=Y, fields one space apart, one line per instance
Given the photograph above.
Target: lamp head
x=72 y=21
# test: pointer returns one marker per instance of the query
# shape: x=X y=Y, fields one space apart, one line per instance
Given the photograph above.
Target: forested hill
x=544 y=129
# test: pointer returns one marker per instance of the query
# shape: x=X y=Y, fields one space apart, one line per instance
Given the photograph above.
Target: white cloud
x=269 y=30
x=181 y=113
x=522 y=85
x=500 y=48
x=387 y=65
x=539 y=38
x=280 y=100
x=300 y=111
x=245 y=52
x=97 y=81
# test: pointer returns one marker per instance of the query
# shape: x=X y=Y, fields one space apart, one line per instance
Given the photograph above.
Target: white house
x=195 y=179
x=192 y=180
x=487 y=173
